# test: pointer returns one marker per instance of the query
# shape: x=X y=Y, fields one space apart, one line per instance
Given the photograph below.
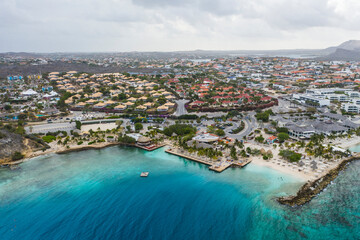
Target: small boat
x=144 y=174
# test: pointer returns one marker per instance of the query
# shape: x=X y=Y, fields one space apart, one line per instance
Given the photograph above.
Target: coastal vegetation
x=126 y=139
x=179 y=129
x=17 y=156
x=290 y=155
x=49 y=138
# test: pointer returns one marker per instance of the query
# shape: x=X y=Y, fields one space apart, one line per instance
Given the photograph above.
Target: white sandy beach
x=346 y=143
x=304 y=172
x=287 y=170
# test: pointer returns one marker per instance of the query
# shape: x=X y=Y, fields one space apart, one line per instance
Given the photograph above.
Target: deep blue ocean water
x=98 y=194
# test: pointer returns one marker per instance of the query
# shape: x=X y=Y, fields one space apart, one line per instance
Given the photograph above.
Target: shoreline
x=63 y=150
x=305 y=194
x=312 y=188
x=349 y=143
x=264 y=163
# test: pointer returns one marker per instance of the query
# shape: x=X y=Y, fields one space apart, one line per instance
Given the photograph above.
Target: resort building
x=350 y=107
x=206 y=137
x=143 y=141
x=311 y=100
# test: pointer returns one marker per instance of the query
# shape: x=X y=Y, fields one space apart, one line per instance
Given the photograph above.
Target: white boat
x=144 y=174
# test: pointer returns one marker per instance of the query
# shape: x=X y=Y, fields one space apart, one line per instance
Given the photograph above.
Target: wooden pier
x=217 y=167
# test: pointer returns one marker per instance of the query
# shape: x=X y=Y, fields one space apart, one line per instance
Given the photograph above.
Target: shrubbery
x=179 y=129
x=49 y=138
x=17 y=156
x=264 y=116
x=127 y=139
x=239 y=129
x=290 y=155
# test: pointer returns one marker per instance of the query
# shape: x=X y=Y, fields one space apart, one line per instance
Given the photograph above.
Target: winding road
x=181 y=110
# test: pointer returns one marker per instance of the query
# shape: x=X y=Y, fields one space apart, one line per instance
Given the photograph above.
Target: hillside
x=347 y=51
x=342 y=55
x=12 y=143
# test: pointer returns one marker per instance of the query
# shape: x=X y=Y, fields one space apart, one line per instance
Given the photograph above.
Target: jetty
x=214 y=166
x=151 y=147
x=312 y=188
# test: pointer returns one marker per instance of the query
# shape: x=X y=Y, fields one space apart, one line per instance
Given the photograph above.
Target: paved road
x=181 y=110
x=250 y=125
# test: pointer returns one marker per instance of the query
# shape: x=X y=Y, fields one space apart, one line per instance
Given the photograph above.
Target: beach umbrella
x=262 y=151
x=313 y=167
x=301 y=163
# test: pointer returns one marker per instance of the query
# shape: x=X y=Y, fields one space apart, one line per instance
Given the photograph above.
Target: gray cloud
x=127 y=25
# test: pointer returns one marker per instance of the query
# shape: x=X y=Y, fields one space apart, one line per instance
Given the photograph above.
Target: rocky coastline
x=312 y=188
x=83 y=148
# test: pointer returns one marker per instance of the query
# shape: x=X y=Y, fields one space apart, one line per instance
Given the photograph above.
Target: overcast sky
x=167 y=25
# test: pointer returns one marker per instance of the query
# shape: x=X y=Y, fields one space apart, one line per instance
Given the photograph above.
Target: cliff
x=11 y=142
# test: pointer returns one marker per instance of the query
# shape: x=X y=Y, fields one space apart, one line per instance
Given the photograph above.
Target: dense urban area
x=293 y=114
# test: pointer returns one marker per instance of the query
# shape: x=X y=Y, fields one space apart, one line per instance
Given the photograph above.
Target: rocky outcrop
x=9 y=144
x=311 y=189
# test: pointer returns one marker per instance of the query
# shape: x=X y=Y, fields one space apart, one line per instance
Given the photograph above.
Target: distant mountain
x=352 y=45
x=342 y=55
x=347 y=51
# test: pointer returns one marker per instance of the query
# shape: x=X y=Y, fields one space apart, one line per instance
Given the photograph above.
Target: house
x=96 y=95
x=170 y=97
x=141 y=108
x=100 y=105
x=132 y=99
x=197 y=103
x=29 y=92
x=163 y=108
x=80 y=105
x=120 y=107
x=148 y=105
x=169 y=104
x=271 y=139
x=129 y=104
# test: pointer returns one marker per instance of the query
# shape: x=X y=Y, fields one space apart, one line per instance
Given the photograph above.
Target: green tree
x=78 y=125
x=17 y=156
x=283 y=136
x=7 y=107
x=233 y=153
x=220 y=132
x=260 y=139
x=138 y=126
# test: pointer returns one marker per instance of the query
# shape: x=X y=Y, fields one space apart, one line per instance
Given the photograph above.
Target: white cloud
x=127 y=25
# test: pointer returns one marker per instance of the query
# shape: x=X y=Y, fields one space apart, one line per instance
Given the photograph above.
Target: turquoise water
x=355 y=148
x=98 y=194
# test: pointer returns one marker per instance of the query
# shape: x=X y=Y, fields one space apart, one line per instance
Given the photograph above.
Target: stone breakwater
x=311 y=189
